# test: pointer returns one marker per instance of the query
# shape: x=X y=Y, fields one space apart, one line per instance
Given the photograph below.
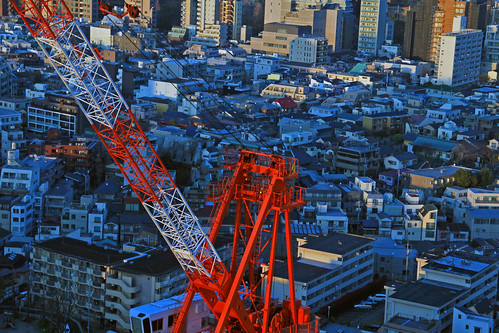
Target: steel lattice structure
x=259 y=179
x=79 y=66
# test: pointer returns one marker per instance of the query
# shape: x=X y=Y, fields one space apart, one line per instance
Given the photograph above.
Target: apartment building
x=77 y=153
x=372 y=25
x=490 y=50
x=72 y=271
x=143 y=279
x=276 y=38
x=326 y=193
x=356 y=160
x=429 y=180
x=105 y=283
x=308 y=50
x=22 y=216
x=394 y=260
x=56 y=110
x=11 y=131
x=327 y=268
x=458 y=57
x=458 y=279
x=482 y=198
x=298 y=93
x=388 y=122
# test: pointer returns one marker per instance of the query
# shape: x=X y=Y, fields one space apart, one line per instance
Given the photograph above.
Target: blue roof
x=483 y=213
x=437 y=144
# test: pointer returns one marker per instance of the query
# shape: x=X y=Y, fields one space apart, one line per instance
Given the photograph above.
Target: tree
x=462 y=177
x=485 y=177
x=467 y=178
x=304 y=107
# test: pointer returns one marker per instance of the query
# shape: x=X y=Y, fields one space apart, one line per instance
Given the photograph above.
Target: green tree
x=462 y=178
x=304 y=106
x=485 y=177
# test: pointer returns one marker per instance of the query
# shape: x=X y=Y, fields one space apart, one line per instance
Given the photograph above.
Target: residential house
x=429 y=180
x=393 y=260
x=400 y=161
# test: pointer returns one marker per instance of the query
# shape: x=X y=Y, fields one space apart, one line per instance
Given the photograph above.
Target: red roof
x=286 y=103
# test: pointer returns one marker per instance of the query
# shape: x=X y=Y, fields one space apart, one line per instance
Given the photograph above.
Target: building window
x=157 y=325
x=170 y=320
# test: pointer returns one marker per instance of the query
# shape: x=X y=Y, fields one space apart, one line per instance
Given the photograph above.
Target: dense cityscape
x=249 y=166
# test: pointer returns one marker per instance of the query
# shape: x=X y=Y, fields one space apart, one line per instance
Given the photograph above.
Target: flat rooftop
x=426 y=293
x=337 y=242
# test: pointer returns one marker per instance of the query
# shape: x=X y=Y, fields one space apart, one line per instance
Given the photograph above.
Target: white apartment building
x=327 y=268
x=372 y=25
x=172 y=89
x=423 y=225
x=308 y=50
x=457 y=280
x=331 y=219
x=482 y=198
x=11 y=131
x=96 y=219
x=465 y=321
x=22 y=213
x=17 y=177
x=458 y=57
x=491 y=48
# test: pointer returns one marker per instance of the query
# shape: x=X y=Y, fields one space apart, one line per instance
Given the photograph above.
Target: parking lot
x=362 y=318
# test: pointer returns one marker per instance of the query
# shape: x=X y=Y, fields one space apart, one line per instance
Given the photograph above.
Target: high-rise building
x=214 y=20
x=276 y=10
x=418 y=29
x=372 y=25
x=443 y=20
x=327 y=21
x=428 y=19
x=491 y=49
x=148 y=12
x=88 y=10
x=458 y=57
x=188 y=12
x=231 y=13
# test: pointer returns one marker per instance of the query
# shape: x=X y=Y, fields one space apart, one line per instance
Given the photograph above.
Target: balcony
x=118 y=306
x=67 y=264
x=118 y=319
x=124 y=286
x=124 y=299
x=82 y=269
x=98 y=273
x=98 y=296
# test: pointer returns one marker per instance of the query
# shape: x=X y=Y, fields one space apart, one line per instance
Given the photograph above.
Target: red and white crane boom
x=79 y=66
x=259 y=180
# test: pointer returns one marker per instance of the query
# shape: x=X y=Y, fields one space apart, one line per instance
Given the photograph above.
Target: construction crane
x=239 y=297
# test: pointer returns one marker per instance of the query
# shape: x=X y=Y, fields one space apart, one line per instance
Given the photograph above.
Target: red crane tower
x=240 y=297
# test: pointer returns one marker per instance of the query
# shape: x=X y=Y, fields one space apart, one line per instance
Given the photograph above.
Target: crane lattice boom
x=78 y=64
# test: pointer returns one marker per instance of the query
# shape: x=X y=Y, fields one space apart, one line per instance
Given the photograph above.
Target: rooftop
x=82 y=250
x=426 y=293
x=336 y=242
x=455 y=265
x=303 y=272
x=440 y=172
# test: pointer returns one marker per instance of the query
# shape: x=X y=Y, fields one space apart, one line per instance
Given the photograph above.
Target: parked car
x=363 y=306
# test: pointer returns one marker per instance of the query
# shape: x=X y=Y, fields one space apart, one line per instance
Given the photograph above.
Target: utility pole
x=407 y=262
